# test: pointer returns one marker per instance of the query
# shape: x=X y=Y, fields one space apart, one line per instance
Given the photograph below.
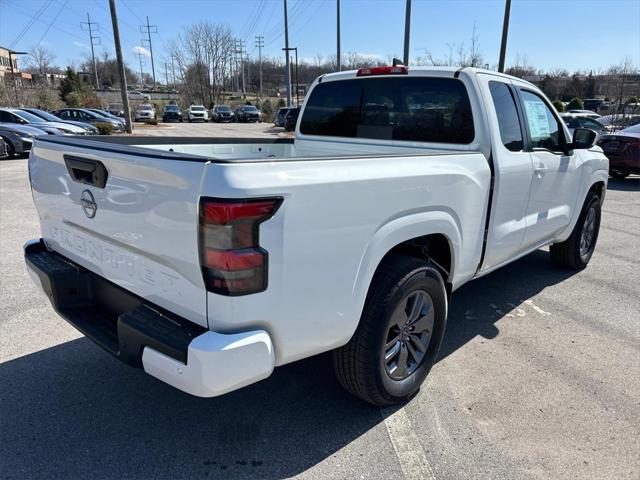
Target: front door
x=555 y=181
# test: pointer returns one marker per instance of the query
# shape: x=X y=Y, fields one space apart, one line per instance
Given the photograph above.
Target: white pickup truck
x=208 y=261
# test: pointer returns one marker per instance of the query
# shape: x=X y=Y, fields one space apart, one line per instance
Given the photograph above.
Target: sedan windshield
x=250 y=108
x=43 y=115
x=223 y=109
x=29 y=117
x=197 y=108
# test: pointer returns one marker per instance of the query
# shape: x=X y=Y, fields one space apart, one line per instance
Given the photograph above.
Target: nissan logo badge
x=88 y=203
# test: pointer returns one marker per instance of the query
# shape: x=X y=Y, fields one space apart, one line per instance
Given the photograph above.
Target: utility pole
x=173 y=69
x=240 y=51
x=286 y=53
x=92 y=27
x=287 y=50
x=141 y=74
x=123 y=79
x=149 y=29
x=505 y=33
x=407 y=33
x=338 y=54
x=166 y=74
x=260 y=44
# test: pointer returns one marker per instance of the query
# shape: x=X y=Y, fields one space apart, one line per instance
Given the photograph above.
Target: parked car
x=280 y=116
x=87 y=129
x=248 y=113
x=144 y=112
x=19 y=138
x=623 y=151
x=13 y=115
x=104 y=113
x=222 y=113
x=171 y=113
x=135 y=95
x=291 y=118
x=116 y=109
x=87 y=116
x=254 y=254
x=593 y=104
x=617 y=122
x=573 y=121
x=587 y=113
x=4 y=149
x=197 y=113
x=632 y=108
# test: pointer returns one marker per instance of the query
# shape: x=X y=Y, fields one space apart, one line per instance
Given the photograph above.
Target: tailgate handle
x=84 y=170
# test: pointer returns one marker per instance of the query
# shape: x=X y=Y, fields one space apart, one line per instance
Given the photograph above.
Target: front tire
x=399 y=334
x=576 y=251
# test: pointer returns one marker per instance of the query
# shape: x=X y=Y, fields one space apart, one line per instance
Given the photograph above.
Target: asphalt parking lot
x=204 y=129
x=539 y=377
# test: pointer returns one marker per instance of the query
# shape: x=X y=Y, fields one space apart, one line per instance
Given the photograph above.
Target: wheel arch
x=431 y=235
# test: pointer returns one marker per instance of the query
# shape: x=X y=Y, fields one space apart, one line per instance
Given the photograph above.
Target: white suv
x=197 y=113
x=145 y=112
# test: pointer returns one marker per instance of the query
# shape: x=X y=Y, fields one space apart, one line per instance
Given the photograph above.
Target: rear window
x=412 y=109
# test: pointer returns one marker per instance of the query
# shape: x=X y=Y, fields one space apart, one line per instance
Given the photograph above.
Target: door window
x=508 y=121
x=544 y=129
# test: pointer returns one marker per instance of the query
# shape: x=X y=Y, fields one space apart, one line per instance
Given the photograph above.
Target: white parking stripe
x=413 y=461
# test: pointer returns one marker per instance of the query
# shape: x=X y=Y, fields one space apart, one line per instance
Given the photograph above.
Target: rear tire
x=576 y=251
x=367 y=366
x=11 y=151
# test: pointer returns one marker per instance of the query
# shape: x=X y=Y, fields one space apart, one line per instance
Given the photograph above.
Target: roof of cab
x=423 y=72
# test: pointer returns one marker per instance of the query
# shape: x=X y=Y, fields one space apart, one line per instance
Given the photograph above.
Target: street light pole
x=286 y=53
x=121 y=73
x=505 y=33
x=407 y=32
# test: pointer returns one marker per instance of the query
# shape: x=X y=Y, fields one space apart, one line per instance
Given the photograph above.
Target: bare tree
x=41 y=60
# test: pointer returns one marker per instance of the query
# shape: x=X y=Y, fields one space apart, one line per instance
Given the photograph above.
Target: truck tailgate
x=131 y=218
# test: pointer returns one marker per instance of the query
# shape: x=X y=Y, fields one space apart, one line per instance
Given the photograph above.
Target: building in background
x=9 y=67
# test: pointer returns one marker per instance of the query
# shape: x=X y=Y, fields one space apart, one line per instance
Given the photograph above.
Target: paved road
x=210 y=129
x=539 y=377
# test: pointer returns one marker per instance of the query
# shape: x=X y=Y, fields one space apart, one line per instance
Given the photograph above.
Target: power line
x=90 y=28
x=53 y=21
x=30 y=23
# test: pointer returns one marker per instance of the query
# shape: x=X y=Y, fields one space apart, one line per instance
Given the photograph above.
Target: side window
x=544 y=129
x=508 y=121
x=6 y=117
x=590 y=124
x=63 y=114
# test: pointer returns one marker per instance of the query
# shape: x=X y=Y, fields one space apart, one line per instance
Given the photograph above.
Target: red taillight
x=396 y=70
x=233 y=263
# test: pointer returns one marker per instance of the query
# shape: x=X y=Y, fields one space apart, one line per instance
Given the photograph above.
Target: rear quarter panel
x=338 y=219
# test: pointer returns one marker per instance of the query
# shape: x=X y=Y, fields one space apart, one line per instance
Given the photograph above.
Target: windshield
x=223 y=108
x=634 y=129
x=46 y=115
x=29 y=117
x=171 y=108
x=250 y=108
x=197 y=108
x=145 y=107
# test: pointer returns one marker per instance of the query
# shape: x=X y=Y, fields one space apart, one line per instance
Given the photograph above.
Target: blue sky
x=572 y=34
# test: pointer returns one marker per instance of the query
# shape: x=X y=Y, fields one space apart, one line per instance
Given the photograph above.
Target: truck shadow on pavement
x=630 y=184
x=72 y=411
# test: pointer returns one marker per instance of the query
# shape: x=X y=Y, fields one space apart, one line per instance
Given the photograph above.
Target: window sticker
x=538 y=121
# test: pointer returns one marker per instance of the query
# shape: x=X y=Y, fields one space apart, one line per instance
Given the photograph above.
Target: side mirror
x=583 y=138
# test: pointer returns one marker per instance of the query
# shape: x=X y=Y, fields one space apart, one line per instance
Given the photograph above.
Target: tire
x=619 y=174
x=11 y=150
x=573 y=253
x=360 y=365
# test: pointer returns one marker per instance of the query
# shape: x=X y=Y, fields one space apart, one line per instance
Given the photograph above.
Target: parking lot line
x=413 y=461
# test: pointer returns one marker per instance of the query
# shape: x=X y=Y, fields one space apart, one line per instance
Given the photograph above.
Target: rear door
x=131 y=217
x=513 y=169
x=556 y=179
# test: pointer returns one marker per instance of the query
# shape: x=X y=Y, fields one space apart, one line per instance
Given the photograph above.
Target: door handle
x=541 y=169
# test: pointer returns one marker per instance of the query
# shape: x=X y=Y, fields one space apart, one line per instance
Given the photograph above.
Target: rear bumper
x=172 y=349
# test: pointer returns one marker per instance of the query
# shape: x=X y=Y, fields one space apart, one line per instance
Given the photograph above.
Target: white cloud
x=141 y=50
x=80 y=44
